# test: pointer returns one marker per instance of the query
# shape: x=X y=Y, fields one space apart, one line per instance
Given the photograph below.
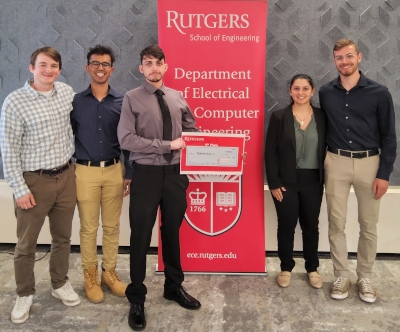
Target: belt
x=53 y=171
x=104 y=163
x=357 y=155
x=157 y=168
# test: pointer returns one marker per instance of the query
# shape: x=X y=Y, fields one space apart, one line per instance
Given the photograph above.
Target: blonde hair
x=342 y=43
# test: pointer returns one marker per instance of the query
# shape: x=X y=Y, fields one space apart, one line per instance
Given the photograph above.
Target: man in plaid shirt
x=37 y=144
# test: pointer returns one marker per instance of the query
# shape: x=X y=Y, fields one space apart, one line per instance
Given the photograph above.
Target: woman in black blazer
x=294 y=162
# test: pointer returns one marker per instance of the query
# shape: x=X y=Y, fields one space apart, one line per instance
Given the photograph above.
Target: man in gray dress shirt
x=156 y=180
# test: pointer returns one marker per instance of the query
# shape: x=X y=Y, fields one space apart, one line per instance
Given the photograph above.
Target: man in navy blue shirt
x=361 y=151
x=101 y=179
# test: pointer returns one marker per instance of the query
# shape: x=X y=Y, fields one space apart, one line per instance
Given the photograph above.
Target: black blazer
x=280 y=148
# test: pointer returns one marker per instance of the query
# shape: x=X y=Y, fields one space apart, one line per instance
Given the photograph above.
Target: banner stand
x=215 y=51
x=264 y=274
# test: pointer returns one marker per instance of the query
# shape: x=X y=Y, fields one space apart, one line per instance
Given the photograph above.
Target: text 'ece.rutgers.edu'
x=211 y=256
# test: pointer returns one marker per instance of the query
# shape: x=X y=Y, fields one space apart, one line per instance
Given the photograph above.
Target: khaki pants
x=99 y=187
x=55 y=197
x=340 y=173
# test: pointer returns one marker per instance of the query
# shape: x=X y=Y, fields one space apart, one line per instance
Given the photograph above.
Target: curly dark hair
x=101 y=50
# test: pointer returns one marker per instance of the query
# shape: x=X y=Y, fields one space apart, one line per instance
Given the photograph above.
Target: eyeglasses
x=96 y=64
x=349 y=56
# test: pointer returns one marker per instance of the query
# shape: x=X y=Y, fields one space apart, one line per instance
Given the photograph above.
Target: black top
x=361 y=119
x=280 y=148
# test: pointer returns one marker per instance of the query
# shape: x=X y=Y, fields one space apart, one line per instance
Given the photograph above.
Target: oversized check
x=209 y=153
x=211 y=156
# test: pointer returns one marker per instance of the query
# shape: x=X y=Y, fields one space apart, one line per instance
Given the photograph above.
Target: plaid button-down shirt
x=35 y=132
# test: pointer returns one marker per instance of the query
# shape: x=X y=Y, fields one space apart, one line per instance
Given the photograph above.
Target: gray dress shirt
x=140 y=129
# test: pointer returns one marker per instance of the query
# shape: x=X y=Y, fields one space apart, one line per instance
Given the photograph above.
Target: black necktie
x=167 y=123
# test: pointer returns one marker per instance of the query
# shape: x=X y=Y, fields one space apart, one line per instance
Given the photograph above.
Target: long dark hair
x=304 y=77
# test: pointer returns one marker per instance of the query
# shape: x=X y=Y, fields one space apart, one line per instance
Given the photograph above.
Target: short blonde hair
x=342 y=43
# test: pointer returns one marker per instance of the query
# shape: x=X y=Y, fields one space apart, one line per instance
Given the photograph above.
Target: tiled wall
x=300 y=36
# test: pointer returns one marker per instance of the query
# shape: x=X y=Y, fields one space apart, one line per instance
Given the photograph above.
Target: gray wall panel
x=300 y=34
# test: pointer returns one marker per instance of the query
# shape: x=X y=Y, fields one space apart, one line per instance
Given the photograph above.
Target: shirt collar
x=151 y=89
x=363 y=81
x=32 y=92
x=111 y=91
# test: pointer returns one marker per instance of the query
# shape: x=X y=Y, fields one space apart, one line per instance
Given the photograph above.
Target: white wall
x=388 y=226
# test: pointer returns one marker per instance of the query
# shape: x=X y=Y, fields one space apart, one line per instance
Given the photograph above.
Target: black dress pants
x=303 y=203
x=153 y=187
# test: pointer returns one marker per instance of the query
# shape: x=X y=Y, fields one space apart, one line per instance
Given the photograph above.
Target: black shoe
x=136 y=319
x=183 y=298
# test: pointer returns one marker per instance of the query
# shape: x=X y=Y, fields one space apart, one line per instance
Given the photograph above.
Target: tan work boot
x=94 y=293
x=110 y=280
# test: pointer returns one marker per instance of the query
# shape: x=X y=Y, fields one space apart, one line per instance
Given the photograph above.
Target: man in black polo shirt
x=361 y=151
x=100 y=181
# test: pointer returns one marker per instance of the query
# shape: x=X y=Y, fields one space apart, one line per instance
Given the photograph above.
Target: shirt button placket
x=99 y=126
x=346 y=113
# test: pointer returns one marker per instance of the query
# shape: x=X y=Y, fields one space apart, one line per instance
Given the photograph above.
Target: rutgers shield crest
x=214 y=203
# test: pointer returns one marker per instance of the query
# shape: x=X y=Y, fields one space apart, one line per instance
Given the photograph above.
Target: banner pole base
x=158 y=272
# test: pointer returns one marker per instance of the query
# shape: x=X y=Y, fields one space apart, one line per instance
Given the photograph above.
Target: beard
x=348 y=72
x=154 y=78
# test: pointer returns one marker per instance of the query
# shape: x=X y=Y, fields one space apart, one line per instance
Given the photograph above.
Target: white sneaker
x=67 y=295
x=20 y=312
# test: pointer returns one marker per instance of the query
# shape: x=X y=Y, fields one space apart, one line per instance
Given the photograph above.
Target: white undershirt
x=46 y=93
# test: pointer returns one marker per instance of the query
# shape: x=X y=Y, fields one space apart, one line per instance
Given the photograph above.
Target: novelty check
x=207 y=153
x=212 y=156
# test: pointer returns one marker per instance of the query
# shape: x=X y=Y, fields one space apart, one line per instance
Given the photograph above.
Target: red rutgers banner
x=215 y=51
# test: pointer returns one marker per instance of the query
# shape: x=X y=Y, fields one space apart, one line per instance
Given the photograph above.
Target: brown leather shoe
x=94 y=293
x=284 y=279
x=110 y=280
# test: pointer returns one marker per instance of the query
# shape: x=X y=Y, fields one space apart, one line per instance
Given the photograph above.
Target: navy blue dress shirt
x=361 y=119
x=94 y=124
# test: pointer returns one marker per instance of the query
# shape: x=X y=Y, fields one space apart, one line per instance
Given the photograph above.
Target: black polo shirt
x=361 y=119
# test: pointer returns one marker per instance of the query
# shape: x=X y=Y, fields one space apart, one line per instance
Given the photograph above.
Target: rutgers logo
x=214 y=203
x=210 y=21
